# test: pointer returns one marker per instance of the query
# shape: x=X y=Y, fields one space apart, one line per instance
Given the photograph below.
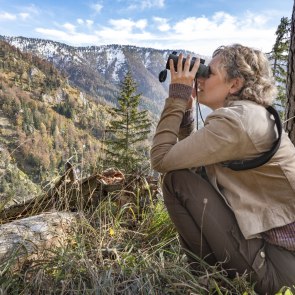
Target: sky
x=197 y=25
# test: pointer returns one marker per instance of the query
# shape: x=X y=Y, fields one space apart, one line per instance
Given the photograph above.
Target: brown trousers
x=208 y=228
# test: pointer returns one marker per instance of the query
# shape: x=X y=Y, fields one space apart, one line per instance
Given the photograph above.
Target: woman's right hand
x=184 y=75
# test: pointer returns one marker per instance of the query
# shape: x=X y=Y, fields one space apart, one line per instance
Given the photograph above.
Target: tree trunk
x=30 y=236
x=290 y=108
x=68 y=194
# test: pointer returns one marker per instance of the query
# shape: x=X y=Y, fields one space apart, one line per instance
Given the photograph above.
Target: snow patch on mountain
x=116 y=59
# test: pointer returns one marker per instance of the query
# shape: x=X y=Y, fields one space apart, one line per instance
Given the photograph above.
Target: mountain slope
x=98 y=70
x=44 y=121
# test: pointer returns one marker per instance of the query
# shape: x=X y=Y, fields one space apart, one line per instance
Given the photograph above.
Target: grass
x=118 y=249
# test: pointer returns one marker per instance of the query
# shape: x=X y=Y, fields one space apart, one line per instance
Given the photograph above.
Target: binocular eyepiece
x=203 y=70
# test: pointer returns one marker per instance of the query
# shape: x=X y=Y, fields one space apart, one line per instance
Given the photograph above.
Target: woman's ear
x=236 y=85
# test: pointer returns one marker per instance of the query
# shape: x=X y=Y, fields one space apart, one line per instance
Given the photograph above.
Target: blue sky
x=197 y=25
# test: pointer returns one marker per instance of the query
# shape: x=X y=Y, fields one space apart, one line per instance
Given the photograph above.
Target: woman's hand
x=184 y=75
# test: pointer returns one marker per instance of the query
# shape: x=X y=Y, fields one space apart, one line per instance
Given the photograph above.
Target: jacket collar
x=242 y=103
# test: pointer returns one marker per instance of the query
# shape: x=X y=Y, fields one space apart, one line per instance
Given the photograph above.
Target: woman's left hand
x=184 y=75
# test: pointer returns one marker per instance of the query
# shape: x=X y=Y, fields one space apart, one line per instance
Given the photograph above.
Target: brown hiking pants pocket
x=253 y=254
x=255 y=257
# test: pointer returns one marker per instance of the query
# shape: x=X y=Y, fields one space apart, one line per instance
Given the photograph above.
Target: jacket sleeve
x=222 y=138
x=187 y=125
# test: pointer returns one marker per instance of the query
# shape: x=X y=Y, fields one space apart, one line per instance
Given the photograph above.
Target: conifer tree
x=279 y=56
x=128 y=130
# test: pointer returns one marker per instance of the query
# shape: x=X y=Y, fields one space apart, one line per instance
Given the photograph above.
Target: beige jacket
x=261 y=198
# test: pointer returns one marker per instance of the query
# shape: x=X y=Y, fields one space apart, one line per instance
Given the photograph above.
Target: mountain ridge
x=99 y=69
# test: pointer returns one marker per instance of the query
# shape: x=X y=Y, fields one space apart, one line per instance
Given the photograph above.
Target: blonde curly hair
x=253 y=67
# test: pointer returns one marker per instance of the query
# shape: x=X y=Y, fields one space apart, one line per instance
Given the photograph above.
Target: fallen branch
x=68 y=194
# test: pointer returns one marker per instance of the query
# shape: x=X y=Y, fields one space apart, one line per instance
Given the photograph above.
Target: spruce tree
x=127 y=131
x=279 y=57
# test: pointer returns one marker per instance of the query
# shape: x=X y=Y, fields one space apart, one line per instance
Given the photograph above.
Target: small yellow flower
x=112 y=232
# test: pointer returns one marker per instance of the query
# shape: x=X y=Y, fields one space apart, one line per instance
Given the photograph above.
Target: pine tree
x=128 y=130
x=279 y=57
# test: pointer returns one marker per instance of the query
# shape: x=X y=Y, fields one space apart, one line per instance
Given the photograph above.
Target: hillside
x=99 y=70
x=44 y=121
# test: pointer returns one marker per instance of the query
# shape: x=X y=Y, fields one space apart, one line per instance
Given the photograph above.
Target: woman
x=245 y=219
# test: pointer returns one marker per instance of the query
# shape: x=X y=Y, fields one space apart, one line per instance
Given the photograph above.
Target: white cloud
x=89 y=23
x=104 y=36
x=146 y=4
x=120 y=31
x=203 y=34
x=97 y=7
x=127 y=24
x=152 y=3
x=59 y=35
x=199 y=34
x=24 y=15
x=7 y=16
x=141 y=24
x=162 y=24
x=124 y=24
x=192 y=27
x=69 y=27
x=32 y=9
x=110 y=36
x=75 y=38
x=252 y=19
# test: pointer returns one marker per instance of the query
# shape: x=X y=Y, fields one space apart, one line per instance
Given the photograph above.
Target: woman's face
x=212 y=91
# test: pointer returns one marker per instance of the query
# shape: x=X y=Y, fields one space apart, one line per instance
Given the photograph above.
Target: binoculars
x=203 y=70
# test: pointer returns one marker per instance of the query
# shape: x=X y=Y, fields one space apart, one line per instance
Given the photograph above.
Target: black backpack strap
x=250 y=164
